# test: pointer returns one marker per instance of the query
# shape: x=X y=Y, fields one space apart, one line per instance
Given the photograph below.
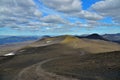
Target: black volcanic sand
x=105 y=66
x=11 y=66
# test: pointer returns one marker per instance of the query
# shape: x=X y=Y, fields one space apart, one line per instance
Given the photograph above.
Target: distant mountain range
x=106 y=37
x=112 y=37
x=15 y=39
x=96 y=36
x=93 y=36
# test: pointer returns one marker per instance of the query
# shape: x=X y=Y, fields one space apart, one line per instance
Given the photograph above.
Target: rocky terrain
x=62 y=58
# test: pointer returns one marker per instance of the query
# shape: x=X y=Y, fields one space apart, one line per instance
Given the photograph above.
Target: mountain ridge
x=88 y=45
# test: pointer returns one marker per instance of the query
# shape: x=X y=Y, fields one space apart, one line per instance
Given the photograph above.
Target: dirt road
x=35 y=72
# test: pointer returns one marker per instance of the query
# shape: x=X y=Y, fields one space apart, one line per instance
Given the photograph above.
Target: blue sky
x=59 y=17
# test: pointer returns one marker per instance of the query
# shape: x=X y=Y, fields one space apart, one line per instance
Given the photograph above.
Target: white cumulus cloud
x=109 y=8
x=64 y=5
x=57 y=19
x=17 y=11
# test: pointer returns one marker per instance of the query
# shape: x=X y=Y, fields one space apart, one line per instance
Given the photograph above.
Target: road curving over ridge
x=36 y=72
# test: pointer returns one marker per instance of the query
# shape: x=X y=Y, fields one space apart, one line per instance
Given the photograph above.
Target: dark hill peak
x=96 y=36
